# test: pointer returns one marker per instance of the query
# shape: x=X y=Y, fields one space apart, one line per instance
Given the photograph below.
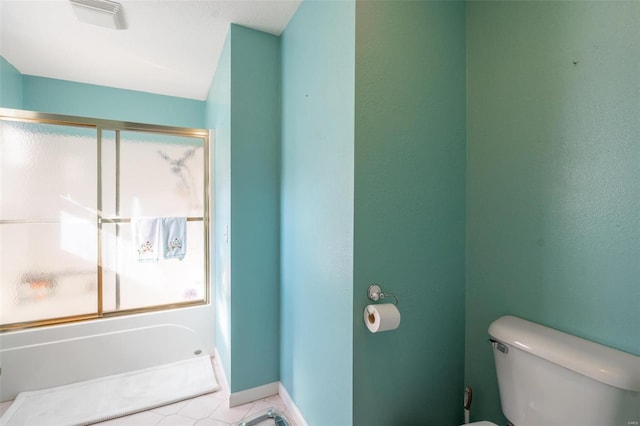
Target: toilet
x=550 y=378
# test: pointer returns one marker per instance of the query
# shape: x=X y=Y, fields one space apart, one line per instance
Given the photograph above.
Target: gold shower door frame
x=100 y=126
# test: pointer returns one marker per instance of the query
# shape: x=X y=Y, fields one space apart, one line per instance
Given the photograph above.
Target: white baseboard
x=260 y=392
x=253 y=394
x=220 y=371
x=292 y=409
x=245 y=396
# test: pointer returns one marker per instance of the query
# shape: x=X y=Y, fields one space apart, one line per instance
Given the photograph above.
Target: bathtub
x=57 y=355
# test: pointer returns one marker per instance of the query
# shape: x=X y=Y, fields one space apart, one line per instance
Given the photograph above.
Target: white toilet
x=550 y=378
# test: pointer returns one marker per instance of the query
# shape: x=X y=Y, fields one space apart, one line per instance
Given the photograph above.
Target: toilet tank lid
x=599 y=362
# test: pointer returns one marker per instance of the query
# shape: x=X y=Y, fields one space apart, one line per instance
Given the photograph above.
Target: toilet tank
x=550 y=378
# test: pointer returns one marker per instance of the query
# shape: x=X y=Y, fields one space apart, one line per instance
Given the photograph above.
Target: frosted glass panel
x=108 y=169
x=161 y=175
x=52 y=192
x=164 y=282
x=110 y=264
x=47 y=270
x=46 y=170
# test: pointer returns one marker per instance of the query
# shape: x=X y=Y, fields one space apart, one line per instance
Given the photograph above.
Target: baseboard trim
x=220 y=370
x=253 y=394
x=260 y=392
x=292 y=408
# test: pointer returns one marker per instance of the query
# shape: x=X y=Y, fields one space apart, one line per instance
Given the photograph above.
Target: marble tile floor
x=206 y=410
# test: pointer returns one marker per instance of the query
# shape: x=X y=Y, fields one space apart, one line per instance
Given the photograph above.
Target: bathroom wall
x=409 y=209
x=218 y=117
x=244 y=106
x=255 y=202
x=87 y=100
x=317 y=210
x=10 y=85
x=553 y=214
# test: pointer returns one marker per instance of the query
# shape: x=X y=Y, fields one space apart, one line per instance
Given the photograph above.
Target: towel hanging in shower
x=146 y=236
x=174 y=237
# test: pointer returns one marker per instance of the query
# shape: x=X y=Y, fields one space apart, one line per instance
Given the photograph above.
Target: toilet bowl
x=550 y=378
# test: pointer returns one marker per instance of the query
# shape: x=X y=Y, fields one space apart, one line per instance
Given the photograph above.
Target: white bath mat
x=108 y=397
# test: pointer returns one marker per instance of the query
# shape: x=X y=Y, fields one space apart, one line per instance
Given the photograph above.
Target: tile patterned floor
x=207 y=410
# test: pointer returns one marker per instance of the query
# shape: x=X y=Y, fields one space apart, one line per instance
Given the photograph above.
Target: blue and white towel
x=146 y=238
x=174 y=237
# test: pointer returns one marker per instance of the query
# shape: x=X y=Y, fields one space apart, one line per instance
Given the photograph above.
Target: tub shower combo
x=70 y=190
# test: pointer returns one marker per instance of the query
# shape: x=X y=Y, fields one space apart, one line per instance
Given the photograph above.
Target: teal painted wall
x=255 y=207
x=317 y=210
x=10 y=85
x=244 y=107
x=553 y=175
x=218 y=117
x=410 y=210
x=88 y=100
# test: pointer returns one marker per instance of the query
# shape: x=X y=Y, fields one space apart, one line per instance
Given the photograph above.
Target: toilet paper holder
x=374 y=292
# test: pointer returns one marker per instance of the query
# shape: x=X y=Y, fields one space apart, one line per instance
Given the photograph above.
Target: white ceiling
x=170 y=47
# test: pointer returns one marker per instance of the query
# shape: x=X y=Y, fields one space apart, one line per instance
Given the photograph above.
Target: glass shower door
x=48 y=222
x=152 y=175
x=71 y=189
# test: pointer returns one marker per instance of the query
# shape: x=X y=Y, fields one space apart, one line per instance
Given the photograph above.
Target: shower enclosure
x=69 y=189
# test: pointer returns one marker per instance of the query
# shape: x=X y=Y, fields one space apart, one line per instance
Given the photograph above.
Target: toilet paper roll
x=381 y=317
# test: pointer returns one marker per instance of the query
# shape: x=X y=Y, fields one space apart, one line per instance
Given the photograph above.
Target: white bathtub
x=56 y=355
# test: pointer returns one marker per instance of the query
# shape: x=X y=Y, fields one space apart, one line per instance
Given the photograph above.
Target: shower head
x=177 y=164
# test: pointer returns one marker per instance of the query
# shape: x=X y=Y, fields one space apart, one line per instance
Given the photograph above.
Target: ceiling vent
x=103 y=13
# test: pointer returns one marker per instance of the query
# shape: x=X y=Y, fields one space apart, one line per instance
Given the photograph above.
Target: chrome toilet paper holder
x=374 y=292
